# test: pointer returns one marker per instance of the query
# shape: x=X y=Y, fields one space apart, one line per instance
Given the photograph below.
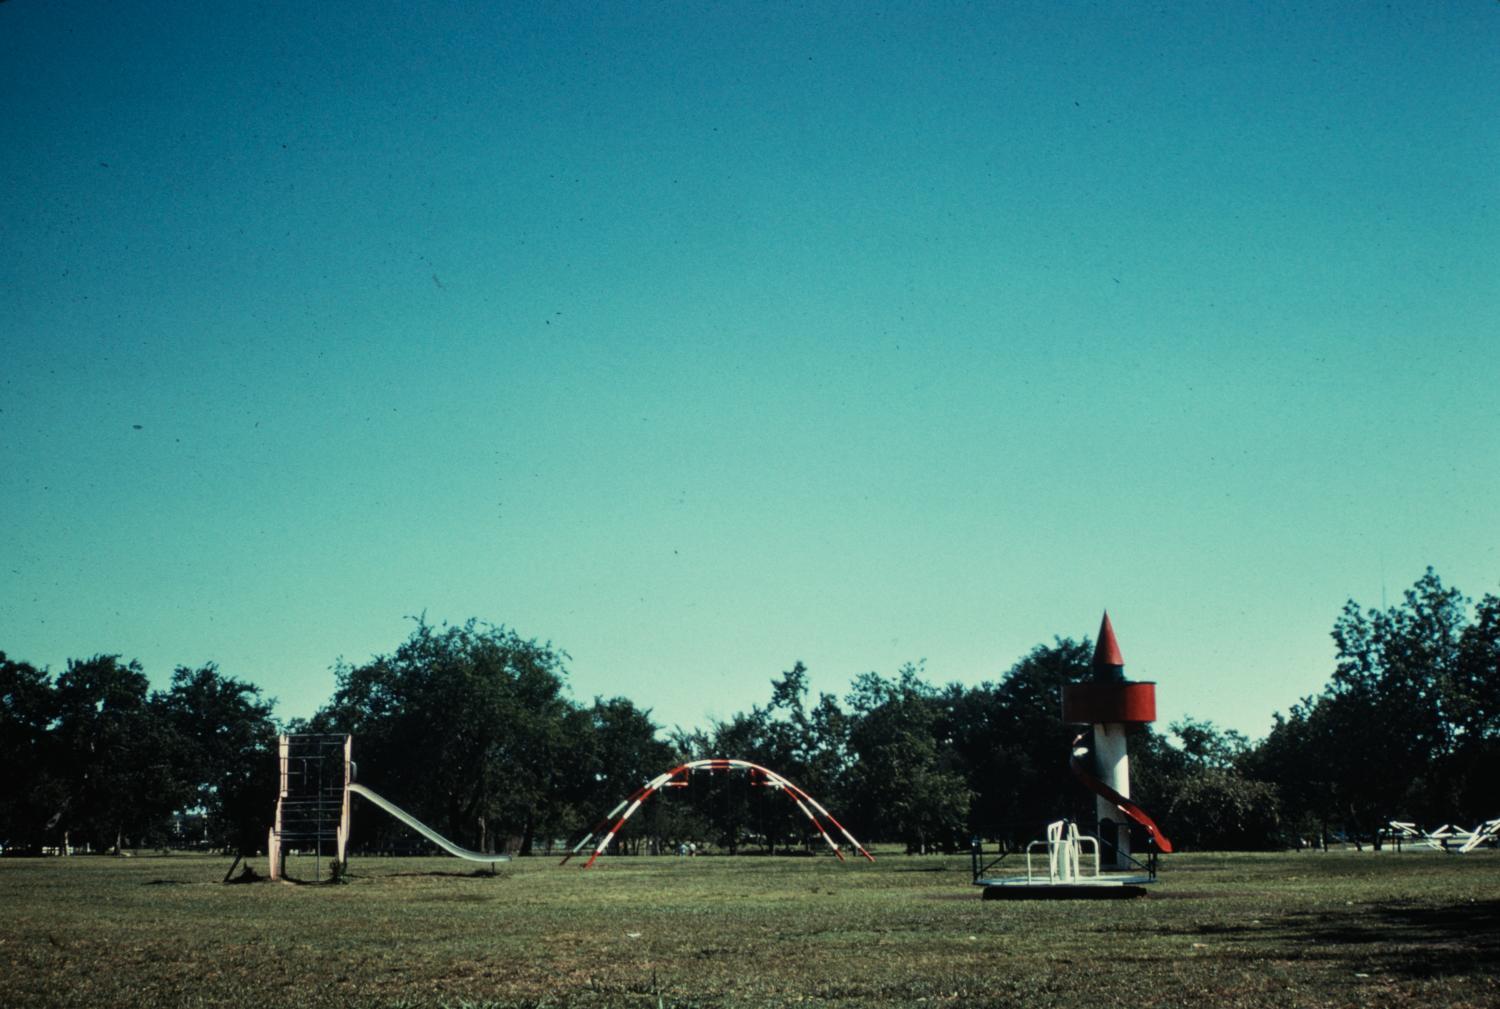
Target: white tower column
x=1113 y=767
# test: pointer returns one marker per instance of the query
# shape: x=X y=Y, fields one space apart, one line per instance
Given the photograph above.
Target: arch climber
x=677 y=777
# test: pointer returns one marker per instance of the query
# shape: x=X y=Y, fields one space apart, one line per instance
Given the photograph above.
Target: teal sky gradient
x=700 y=339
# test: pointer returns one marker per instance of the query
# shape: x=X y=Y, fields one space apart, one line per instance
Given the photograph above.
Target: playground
x=839 y=924
x=1415 y=928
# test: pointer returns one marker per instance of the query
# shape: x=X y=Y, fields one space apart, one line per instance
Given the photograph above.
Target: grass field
x=1310 y=929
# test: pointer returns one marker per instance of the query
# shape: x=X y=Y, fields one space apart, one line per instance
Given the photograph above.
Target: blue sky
x=703 y=339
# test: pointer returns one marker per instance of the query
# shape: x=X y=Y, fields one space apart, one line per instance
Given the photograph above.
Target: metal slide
x=423 y=829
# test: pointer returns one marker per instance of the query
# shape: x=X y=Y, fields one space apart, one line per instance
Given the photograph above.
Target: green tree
x=725 y=800
x=617 y=750
x=31 y=792
x=1202 y=791
x=1406 y=727
x=626 y=750
x=1013 y=746
x=226 y=748
x=468 y=726
x=1219 y=809
x=807 y=746
x=907 y=782
x=1470 y=766
x=117 y=756
x=1295 y=756
x=1394 y=696
x=733 y=810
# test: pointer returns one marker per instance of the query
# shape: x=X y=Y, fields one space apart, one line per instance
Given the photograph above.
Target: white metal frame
x=1065 y=849
x=1448 y=837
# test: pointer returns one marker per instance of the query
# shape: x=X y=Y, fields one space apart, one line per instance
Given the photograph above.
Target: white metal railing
x=1065 y=853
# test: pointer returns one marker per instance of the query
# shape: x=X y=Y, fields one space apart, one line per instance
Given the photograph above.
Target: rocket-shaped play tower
x=1114 y=706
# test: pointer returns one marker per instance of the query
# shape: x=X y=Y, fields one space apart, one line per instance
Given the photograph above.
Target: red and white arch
x=606 y=829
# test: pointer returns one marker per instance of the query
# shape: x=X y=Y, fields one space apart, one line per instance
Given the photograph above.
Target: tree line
x=471 y=727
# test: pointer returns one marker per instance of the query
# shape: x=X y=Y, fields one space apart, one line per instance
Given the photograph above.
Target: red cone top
x=1108 y=663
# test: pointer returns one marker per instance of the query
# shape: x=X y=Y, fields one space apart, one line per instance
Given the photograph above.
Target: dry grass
x=1237 y=931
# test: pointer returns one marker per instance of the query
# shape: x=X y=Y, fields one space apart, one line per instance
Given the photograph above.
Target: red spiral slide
x=1125 y=806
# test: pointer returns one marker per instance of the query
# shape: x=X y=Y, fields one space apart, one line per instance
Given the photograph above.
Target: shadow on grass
x=435 y=873
x=1401 y=939
x=1418 y=942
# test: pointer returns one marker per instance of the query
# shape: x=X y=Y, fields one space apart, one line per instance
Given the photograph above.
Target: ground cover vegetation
x=471 y=727
x=1240 y=931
